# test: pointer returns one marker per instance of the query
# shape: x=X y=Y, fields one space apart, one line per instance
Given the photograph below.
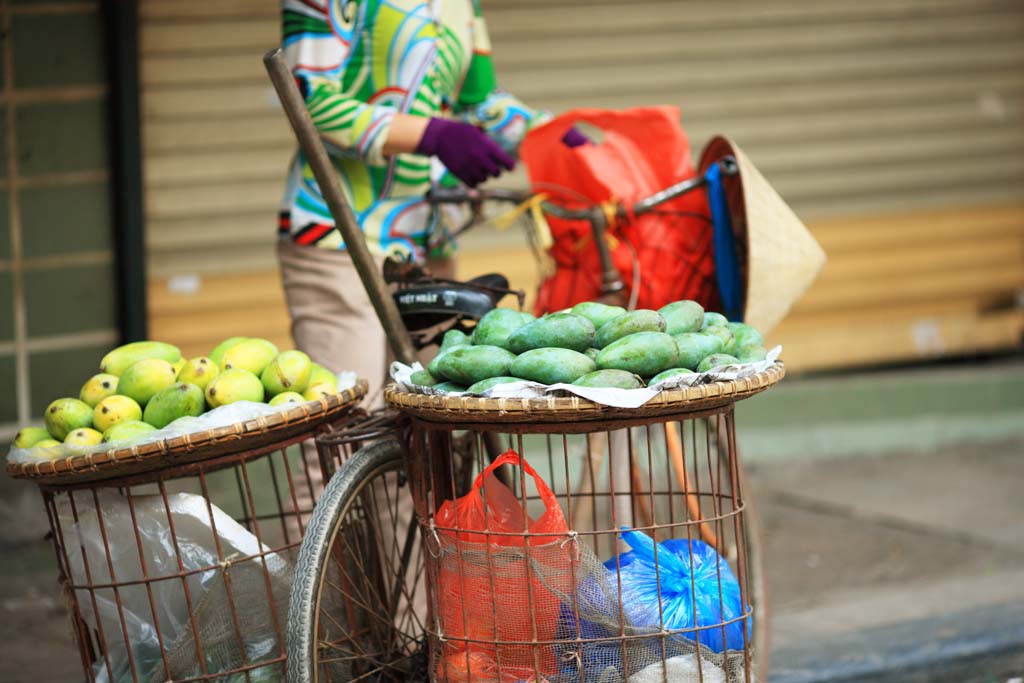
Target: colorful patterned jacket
x=358 y=63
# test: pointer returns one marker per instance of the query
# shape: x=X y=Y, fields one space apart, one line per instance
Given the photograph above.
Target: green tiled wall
x=60 y=142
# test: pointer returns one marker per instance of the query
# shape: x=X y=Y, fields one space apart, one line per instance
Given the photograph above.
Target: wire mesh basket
x=602 y=546
x=176 y=559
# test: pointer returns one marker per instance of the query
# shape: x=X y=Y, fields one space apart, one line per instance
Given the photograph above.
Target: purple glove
x=573 y=138
x=464 y=150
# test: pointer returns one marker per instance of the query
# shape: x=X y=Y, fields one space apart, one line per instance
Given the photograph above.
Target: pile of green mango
x=145 y=386
x=590 y=345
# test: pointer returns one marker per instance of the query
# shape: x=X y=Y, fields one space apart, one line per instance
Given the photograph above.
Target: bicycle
x=376 y=576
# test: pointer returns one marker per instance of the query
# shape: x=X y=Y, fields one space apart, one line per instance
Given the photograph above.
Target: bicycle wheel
x=358 y=600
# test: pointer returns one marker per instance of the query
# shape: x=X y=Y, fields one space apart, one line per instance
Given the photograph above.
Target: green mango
x=485 y=384
x=696 y=346
x=641 y=320
x=422 y=378
x=469 y=364
x=217 y=354
x=751 y=353
x=592 y=353
x=115 y=409
x=452 y=339
x=233 y=385
x=127 y=431
x=287 y=397
x=142 y=380
x=27 y=437
x=641 y=353
x=598 y=314
x=253 y=355
x=712 y=319
x=449 y=387
x=552 y=365
x=98 y=388
x=682 y=316
x=496 y=326
x=199 y=371
x=121 y=358
x=65 y=415
x=178 y=400
x=671 y=372
x=289 y=371
x=743 y=335
x=558 y=330
x=723 y=333
x=717 y=360
x=614 y=379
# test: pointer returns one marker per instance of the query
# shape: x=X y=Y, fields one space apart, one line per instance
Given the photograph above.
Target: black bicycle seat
x=434 y=302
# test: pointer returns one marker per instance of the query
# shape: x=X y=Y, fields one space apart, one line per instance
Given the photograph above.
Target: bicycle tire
x=343 y=508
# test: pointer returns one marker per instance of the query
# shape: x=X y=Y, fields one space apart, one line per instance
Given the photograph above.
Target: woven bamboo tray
x=563 y=409
x=241 y=437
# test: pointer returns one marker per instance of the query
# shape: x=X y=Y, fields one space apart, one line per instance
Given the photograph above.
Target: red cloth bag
x=491 y=589
x=644 y=150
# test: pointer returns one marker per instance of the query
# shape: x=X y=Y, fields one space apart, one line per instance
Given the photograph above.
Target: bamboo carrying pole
x=323 y=170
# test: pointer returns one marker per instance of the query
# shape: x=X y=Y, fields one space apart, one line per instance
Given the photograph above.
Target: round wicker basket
x=165 y=453
x=562 y=409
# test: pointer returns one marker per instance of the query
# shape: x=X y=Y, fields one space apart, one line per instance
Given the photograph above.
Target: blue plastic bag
x=690 y=573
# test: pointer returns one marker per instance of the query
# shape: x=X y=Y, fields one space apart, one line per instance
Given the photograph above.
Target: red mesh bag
x=643 y=150
x=501 y=586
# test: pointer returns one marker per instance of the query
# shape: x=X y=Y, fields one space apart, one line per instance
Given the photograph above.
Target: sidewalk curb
x=984 y=645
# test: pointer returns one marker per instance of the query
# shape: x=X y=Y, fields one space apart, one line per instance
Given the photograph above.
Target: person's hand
x=573 y=138
x=465 y=150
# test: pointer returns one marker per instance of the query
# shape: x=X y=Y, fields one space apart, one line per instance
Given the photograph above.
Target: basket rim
x=200 y=445
x=462 y=409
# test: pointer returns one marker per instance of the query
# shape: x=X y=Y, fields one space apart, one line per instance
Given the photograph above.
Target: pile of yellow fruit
x=145 y=386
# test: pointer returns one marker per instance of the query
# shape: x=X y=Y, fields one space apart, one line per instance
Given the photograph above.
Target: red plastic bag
x=644 y=150
x=504 y=587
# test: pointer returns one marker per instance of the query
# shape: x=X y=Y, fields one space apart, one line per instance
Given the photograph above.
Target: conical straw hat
x=781 y=258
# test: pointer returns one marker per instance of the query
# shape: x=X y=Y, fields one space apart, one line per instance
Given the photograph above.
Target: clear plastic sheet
x=223 y=416
x=619 y=398
x=185 y=568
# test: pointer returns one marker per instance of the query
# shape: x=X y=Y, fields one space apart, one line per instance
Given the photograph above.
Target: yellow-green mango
x=315 y=392
x=217 y=354
x=320 y=375
x=83 y=437
x=642 y=353
x=287 y=397
x=121 y=358
x=199 y=371
x=27 y=437
x=47 y=449
x=555 y=331
x=551 y=366
x=640 y=320
x=233 y=385
x=469 y=364
x=178 y=365
x=178 y=400
x=717 y=360
x=613 y=379
x=65 y=415
x=598 y=314
x=289 y=371
x=127 y=431
x=694 y=347
x=141 y=381
x=98 y=388
x=252 y=355
x=682 y=316
x=113 y=410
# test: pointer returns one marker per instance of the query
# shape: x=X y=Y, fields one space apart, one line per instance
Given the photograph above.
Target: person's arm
x=317 y=56
x=481 y=103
